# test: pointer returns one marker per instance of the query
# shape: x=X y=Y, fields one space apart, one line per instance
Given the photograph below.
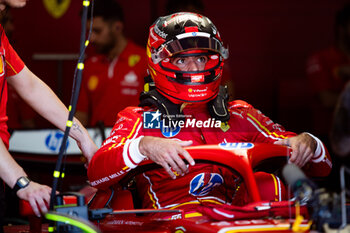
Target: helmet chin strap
x=217 y=107
x=171 y=111
x=183 y=105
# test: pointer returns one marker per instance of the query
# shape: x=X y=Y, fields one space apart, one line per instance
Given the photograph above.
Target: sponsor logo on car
x=203 y=183
x=54 y=140
x=236 y=145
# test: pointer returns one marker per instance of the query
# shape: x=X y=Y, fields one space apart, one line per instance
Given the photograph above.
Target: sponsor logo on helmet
x=159 y=32
x=197 y=78
x=180 y=18
x=191 y=90
x=197 y=92
x=153 y=36
x=214 y=30
x=200 y=95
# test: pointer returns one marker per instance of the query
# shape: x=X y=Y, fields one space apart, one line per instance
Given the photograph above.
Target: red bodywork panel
x=244 y=158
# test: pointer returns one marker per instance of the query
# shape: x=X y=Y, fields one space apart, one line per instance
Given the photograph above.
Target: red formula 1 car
x=113 y=211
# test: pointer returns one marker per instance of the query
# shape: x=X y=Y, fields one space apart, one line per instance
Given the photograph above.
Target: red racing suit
x=204 y=182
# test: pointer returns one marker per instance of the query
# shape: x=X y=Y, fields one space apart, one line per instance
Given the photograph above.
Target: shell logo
x=190 y=90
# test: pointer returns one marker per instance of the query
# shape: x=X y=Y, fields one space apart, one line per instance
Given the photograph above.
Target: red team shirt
x=322 y=70
x=204 y=182
x=322 y=74
x=10 y=64
x=110 y=86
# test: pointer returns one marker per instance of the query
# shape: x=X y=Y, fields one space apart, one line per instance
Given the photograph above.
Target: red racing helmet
x=179 y=35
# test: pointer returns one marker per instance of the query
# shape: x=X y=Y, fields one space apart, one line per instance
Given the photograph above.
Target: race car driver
x=186 y=56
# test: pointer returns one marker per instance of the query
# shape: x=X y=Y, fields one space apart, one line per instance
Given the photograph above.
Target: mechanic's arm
x=43 y=100
x=308 y=148
x=165 y=152
x=38 y=195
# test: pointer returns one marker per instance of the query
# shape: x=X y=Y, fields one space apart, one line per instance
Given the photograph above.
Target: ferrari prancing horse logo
x=56 y=8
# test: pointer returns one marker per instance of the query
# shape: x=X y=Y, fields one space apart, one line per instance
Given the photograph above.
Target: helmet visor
x=189 y=43
x=193 y=67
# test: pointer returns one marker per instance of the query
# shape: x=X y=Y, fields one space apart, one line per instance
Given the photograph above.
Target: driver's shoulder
x=240 y=109
x=133 y=112
x=238 y=105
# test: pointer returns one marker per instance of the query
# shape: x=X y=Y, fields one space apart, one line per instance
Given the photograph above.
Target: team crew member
x=328 y=71
x=42 y=99
x=340 y=130
x=186 y=57
x=113 y=77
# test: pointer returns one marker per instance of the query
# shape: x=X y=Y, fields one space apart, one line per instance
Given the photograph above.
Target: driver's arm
x=165 y=152
x=126 y=147
x=119 y=152
x=305 y=147
x=308 y=151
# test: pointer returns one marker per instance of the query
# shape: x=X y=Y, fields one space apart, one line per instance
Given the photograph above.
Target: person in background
x=186 y=56
x=340 y=130
x=328 y=71
x=113 y=77
x=43 y=100
x=20 y=115
x=173 y=6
